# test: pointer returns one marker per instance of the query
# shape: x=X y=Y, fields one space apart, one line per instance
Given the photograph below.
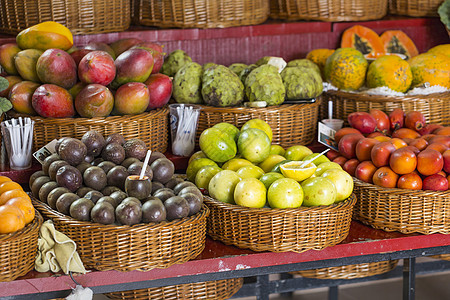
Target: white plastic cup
x=335 y=124
x=183 y=128
x=18 y=139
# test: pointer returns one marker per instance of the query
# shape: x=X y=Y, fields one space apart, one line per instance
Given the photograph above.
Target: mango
x=7 y=53
x=58 y=67
x=12 y=80
x=25 y=62
x=44 y=36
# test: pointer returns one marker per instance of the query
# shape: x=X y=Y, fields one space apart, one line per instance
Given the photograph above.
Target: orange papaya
x=44 y=36
x=431 y=68
x=319 y=57
x=441 y=49
x=390 y=71
x=363 y=39
x=396 y=41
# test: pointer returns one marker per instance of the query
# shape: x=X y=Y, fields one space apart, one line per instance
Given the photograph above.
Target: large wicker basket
x=151 y=127
x=279 y=230
x=415 y=8
x=81 y=17
x=139 y=247
x=199 y=13
x=328 y=11
x=292 y=124
x=218 y=289
x=18 y=250
x=350 y=271
x=403 y=210
x=435 y=107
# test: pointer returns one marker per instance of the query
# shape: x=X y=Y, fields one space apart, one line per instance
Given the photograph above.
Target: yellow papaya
x=431 y=68
x=319 y=57
x=346 y=69
x=441 y=49
x=390 y=71
x=44 y=36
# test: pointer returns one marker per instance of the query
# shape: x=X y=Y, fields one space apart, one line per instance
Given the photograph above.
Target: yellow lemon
x=296 y=171
x=235 y=164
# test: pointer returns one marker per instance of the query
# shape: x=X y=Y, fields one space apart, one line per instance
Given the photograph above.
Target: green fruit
x=317 y=161
x=221 y=87
x=254 y=145
x=222 y=185
x=326 y=166
x=250 y=172
x=228 y=128
x=268 y=178
x=342 y=181
x=318 y=191
x=297 y=152
x=277 y=149
x=260 y=124
x=276 y=168
x=204 y=175
x=187 y=84
x=301 y=82
x=217 y=145
x=195 y=165
x=285 y=193
x=250 y=192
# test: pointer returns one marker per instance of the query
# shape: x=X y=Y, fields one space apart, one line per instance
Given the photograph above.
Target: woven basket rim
x=93 y=119
x=361 y=96
x=398 y=191
x=36 y=223
x=267 y=211
x=271 y=108
x=204 y=212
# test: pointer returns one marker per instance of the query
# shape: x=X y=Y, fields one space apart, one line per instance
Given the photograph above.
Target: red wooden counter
x=219 y=261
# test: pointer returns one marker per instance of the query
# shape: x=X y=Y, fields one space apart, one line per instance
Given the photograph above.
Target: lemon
x=296 y=171
x=277 y=149
x=297 y=152
x=195 y=165
x=198 y=154
x=250 y=192
x=258 y=124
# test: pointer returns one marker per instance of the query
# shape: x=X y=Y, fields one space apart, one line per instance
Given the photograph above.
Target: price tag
x=45 y=151
x=326 y=136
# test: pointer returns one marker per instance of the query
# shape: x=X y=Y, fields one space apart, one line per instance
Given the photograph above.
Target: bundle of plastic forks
x=18 y=138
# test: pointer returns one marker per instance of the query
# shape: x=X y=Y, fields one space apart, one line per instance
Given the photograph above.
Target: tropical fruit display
x=16 y=209
x=269 y=81
x=390 y=62
x=49 y=76
x=241 y=166
x=394 y=149
x=104 y=180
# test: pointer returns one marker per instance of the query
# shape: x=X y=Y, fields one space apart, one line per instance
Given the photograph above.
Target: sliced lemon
x=296 y=171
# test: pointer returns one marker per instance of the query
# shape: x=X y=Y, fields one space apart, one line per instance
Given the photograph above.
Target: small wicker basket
x=435 y=107
x=81 y=17
x=199 y=13
x=292 y=124
x=279 y=230
x=403 y=210
x=139 y=247
x=218 y=289
x=151 y=127
x=328 y=11
x=350 y=271
x=415 y=8
x=18 y=250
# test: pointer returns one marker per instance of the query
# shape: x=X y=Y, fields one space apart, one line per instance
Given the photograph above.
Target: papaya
x=346 y=69
x=44 y=36
x=431 y=68
x=319 y=57
x=390 y=71
x=363 y=39
x=441 y=49
x=396 y=41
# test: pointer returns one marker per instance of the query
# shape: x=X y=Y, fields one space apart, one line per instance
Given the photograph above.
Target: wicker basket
x=81 y=17
x=292 y=124
x=139 y=247
x=18 y=250
x=415 y=8
x=350 y=271
x=403 y=210
x=279 y=230
x=435 y=107
x=328 y=11
x=219 y=289
x=199 y=13
x=151 y=127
